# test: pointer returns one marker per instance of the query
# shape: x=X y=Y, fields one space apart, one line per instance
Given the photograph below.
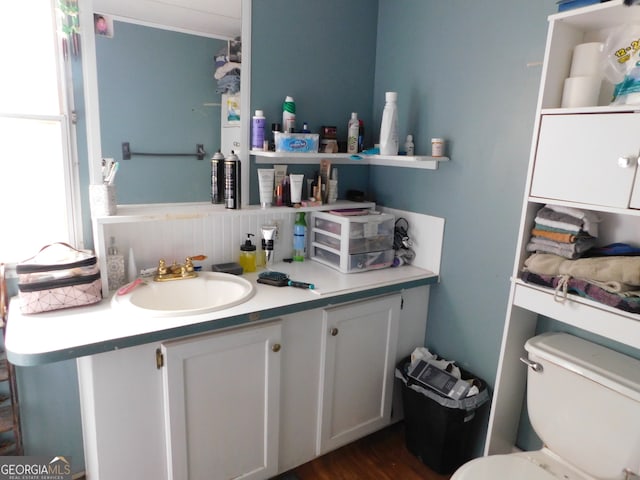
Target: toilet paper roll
x=587 y=60
x=581 y=92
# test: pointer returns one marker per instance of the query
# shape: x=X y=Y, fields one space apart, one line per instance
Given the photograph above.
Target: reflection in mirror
x=158 y=91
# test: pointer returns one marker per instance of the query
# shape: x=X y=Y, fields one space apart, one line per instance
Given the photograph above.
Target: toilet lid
x=502 y=466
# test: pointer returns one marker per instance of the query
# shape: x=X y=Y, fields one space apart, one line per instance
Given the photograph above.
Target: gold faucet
x=175 y=271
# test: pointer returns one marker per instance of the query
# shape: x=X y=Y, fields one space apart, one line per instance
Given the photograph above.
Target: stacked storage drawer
x=352 y=243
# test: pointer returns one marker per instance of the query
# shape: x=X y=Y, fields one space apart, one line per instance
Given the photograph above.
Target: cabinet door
x=299 y=388
x=221 y=394
x=356 y=370
x=578 y=156
x=121 y=405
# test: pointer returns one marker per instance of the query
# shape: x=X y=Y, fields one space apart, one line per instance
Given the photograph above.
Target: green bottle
x=299 y=238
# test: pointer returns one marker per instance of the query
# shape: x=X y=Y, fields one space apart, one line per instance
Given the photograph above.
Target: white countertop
x=63 y=334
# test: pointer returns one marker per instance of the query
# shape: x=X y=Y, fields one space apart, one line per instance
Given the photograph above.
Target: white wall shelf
x=419 y=161
x=183 y=211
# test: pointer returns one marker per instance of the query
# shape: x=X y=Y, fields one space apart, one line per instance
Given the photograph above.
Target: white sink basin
x=208 y=292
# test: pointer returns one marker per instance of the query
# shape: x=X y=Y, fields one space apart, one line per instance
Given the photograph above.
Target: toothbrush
x=127 y=288
x=293 y=283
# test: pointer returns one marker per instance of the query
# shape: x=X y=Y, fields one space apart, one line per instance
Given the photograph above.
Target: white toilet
x=584 y=403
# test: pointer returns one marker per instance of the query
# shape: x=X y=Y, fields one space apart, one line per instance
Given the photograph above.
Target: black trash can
x=438 y=428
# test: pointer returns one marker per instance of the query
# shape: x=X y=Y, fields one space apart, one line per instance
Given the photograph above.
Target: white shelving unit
x=576 y=155
x=418 y=161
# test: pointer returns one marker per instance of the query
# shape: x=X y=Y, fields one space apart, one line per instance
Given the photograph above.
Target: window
x=37 y=175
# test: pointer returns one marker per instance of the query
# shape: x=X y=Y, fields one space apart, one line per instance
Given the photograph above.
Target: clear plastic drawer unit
x=352 y=243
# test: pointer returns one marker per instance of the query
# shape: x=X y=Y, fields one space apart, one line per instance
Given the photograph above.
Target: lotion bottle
x=389 y=126
x=258 y=122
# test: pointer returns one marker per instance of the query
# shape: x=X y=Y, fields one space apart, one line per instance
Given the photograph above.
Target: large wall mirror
x=155 y=80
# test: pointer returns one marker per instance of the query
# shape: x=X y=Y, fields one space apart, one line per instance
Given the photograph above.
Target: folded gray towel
x=566 y=250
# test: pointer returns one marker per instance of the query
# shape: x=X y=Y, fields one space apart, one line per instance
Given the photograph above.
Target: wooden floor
x=380 y=456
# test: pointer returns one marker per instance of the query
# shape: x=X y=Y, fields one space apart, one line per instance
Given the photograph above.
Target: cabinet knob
x=333 y=331
x=276 y=347
x=625 y=162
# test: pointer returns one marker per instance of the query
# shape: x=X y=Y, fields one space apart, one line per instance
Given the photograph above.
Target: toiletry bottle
x=217 y=178
x=408 y=146
x=275 y=127
x=232 y=181
x=360 y=135
x=288 y=115
x=258 y=122
x=305 y=128
x=115 y=267
x=286 y=192
x=247 y=258
x=333 y=187
x=299 y=238
x=437 y=147
x=261 y=255
x=268 y=234
x=352 y=135
x=132 y=268
x=389 y=126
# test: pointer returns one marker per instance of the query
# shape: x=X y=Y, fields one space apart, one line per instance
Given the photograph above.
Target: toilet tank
x=585 y=403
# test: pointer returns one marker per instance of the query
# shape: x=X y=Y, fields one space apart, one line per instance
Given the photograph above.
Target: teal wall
x=50 y=410
x=323 y=55
x=461 y=72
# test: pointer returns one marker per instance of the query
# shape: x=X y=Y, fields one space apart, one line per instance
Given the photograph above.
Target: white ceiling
x=215 y=18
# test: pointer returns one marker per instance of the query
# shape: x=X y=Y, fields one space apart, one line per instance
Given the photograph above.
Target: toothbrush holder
x=102 y=199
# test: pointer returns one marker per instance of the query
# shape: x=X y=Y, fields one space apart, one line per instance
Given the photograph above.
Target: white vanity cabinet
x=336 y=388
x=357 y=365
x=586 y=158
x=222 y=404
x=200 y=407
x=248 y=402
x=121 y=403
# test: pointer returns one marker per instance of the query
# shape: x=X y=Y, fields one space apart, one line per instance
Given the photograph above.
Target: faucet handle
x=162 y=267
x=188 y=264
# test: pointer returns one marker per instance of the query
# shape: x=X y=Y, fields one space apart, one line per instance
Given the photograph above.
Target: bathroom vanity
x=247 y=391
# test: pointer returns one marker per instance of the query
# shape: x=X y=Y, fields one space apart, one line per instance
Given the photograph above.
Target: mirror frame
x=92 y=101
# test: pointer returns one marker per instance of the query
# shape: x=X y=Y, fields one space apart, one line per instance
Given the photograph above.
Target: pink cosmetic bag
x=58 y=276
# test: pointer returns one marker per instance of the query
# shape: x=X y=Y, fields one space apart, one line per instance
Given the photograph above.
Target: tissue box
x=297 y=142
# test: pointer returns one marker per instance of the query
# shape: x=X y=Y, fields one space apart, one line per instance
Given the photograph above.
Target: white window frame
x=68 y=143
